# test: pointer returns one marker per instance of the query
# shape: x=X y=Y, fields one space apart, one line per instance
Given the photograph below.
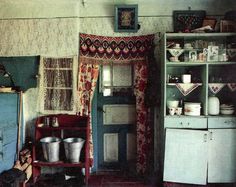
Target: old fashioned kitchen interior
x=118 y=93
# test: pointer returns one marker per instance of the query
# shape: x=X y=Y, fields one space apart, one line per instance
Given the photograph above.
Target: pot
x=192 y=109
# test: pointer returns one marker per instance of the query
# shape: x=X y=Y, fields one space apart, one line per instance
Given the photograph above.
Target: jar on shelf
x=213 y=105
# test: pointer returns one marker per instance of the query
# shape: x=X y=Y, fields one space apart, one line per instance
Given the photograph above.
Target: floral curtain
x=143 y=128
x=96 y=50
x=88 y=75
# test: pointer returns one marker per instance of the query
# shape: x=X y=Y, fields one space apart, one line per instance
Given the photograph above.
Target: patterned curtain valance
x=98 y=49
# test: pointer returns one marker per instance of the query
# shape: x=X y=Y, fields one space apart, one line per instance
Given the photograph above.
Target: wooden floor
x=117 y=180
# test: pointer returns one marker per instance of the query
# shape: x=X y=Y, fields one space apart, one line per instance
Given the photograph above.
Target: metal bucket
x=73 y=148
x=51 y=147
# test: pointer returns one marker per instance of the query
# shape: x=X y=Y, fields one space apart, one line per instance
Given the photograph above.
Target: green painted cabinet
x=196 y=135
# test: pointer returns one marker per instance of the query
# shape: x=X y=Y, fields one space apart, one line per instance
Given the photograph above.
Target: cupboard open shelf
x=69 y=126
x=58 y=164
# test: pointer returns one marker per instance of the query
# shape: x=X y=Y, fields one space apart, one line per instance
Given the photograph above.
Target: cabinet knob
x=229 y=122
x=205 y=138
x=210 y=135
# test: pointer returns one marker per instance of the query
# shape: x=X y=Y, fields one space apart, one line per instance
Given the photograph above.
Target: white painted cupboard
x=199 y=149
x=200 y=157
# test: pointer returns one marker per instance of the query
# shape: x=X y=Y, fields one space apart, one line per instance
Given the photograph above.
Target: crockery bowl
x=172 y=103
x=226 y=112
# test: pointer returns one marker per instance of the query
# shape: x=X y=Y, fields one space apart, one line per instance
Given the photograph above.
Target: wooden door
x=116 y=138
x=185 y=156
x=222 y=156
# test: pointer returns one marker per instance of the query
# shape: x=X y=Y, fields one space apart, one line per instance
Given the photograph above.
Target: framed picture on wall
x=126 y=18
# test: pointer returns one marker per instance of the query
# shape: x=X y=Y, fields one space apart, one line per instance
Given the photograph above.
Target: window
x=116 y=78
x=57 y=84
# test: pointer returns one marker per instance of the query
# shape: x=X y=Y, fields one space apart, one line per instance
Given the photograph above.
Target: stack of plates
x=226 y=109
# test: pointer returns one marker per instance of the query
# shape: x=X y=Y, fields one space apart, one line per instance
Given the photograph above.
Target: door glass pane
x=106 y=75
x=122 y=75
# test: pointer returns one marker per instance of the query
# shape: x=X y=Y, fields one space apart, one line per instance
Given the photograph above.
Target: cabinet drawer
x=222 y=122
x=185 y=122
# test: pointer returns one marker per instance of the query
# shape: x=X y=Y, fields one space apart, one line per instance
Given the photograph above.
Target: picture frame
x=212 y=53
x=126 y=18
x=192 y=55
x=187 y=20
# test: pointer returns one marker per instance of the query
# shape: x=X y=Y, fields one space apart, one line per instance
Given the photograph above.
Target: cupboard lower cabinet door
x=186 y=156
x=222 y=156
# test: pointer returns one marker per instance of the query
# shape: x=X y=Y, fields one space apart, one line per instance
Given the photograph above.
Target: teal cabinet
x=210 y=60
x=9 y=108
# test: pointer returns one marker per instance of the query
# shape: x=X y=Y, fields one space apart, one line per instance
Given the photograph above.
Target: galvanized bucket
x=73 y=148
x=51 y=147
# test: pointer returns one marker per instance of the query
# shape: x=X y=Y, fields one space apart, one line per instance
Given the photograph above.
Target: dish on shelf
x=188 y=48
x=226 y=106
x=176 y=52
x=227 y=111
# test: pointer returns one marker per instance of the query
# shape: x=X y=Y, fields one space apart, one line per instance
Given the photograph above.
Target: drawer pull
x=181 y=123
x=230 y=122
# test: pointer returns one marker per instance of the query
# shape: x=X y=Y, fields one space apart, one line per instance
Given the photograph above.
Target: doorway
x=116 y=119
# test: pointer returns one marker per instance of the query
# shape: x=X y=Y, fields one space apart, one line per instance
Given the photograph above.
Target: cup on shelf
x=179 y=111
x=172 y=111
x=186 y=78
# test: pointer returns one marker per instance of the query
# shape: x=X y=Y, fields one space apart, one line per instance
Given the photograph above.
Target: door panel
x=119 y=114
x=185 y=156
x=222 y=156
x=110 y=147
x=114 y=122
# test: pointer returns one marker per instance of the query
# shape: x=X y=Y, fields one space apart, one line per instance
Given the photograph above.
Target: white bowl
x=226 y=112
x=172 y=103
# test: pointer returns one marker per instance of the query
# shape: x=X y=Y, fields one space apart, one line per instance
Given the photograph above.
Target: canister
x=192 y=109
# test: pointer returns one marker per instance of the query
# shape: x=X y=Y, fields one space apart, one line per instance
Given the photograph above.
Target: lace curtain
x=57 y=84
